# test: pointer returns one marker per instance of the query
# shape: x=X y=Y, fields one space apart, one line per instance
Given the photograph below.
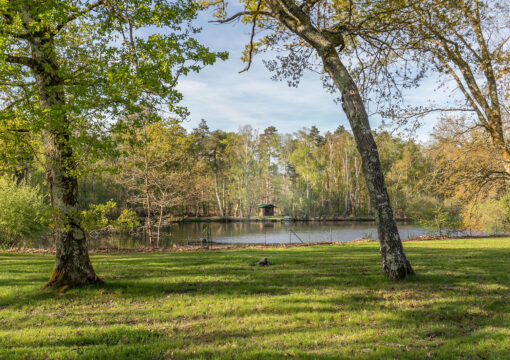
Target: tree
x=154 y=171
x=214 y=153
x=322 y=29
x=67 y=67
x=268 y=141
x=308 y=161
x=467 y=42
x=245 y=170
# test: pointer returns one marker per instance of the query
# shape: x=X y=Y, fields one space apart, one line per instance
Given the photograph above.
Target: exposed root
x=399 y=272
x=62 y=281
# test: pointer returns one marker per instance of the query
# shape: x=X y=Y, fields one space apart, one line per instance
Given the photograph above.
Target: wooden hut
x=266 y=210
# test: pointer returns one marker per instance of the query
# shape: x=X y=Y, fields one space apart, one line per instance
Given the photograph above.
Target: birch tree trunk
x=220 y=206
x=298 y=21
x=394 y=260
x=148 y=218
x=160 y=219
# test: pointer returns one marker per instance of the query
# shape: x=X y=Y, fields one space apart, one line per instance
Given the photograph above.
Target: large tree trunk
x=298 y=21
x=497 y=134
x=72 y=265
x=395 y=263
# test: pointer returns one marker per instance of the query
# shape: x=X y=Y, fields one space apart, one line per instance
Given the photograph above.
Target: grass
x=320 y=302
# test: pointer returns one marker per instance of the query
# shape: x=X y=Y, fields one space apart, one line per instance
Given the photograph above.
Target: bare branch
x=498 y=49
x=242 y=13
x=254 y=23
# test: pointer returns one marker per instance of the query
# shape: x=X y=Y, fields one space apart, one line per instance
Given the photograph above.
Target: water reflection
x=255 y=233
x=246 y=233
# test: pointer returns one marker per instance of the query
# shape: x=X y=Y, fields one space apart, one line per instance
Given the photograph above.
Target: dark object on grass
x=263 y=262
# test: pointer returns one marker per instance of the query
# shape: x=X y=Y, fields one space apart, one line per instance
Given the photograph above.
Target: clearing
x=317 y=302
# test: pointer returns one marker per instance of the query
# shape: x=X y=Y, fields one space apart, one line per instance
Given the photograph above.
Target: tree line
x=82 y=82
x=163 y=173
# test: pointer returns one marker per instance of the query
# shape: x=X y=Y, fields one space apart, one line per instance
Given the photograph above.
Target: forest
x=162 y=174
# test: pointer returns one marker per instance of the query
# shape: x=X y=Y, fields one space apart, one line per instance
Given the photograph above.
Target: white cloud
x=227 y=99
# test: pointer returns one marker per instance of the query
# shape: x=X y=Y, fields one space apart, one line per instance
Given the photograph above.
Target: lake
x=254 y=233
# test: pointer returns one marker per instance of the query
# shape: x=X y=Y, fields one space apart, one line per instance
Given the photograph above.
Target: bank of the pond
x=314 y=302
x=225 y=247
x=227 y=219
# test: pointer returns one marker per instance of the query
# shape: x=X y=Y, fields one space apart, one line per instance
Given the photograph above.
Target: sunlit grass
x=320 y=302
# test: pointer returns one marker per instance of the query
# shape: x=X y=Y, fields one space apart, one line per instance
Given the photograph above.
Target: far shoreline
x=228 y=219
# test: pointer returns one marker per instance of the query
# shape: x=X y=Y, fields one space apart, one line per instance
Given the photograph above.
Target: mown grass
x=321 y=302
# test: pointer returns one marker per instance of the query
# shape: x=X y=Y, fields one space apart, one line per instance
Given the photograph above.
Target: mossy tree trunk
x=72 y=265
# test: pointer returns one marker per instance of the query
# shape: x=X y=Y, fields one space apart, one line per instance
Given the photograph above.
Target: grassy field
x=320 y=302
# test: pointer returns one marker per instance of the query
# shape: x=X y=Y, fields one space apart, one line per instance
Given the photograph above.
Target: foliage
x=178 y=173
x=100 y=216
x=127 y=220
x=491 y=215
x=436 y=216
x=23 y=212
x=114 y=60
x=156 y=170
x=316 y=302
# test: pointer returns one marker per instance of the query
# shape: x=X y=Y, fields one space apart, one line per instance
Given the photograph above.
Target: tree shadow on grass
x=471 y=286
x=233 y=273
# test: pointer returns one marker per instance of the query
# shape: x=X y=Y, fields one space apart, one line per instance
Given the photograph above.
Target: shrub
x=101 y=217
x=491 y=216
x=436 y=216
x=23 y=213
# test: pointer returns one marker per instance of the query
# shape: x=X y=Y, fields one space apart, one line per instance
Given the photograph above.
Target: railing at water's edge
x=204 y=238
x=292 y=232
x=208 y=237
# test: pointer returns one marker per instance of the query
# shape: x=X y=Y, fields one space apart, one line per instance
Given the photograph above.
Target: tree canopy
x=71 y=71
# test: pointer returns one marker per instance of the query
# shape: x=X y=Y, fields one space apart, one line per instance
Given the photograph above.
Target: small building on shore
x=266 y=210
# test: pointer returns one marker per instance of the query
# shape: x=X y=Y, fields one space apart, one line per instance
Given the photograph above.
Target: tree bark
x=72 y=265
x=160 y=219
x=394 y=260
x=297 y=20
x=148 y=218
x=220 y=206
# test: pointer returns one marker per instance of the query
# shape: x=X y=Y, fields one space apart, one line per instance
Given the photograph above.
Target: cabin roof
x=266 y=205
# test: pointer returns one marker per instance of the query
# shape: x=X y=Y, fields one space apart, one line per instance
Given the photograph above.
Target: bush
x=492 y=215
x=23 y=213
x=101 y=217
x=435 y=216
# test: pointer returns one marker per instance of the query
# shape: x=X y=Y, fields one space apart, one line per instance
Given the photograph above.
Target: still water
x=254 y=233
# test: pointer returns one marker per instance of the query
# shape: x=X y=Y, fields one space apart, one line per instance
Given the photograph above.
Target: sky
x=228 y=100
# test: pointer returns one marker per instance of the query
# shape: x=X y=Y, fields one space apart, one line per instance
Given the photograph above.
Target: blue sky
x=228 y=100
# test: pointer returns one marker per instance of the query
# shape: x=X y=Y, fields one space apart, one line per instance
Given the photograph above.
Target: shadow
x=325 y=302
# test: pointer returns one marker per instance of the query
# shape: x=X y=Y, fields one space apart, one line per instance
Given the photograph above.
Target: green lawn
x=320 y=302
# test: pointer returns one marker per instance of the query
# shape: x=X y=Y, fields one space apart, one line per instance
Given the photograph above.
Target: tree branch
x=241 y=13
x=21 y=60
x=254 y=23
x=79 y=13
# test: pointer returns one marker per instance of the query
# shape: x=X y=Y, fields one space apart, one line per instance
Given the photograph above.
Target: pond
x=254 y=233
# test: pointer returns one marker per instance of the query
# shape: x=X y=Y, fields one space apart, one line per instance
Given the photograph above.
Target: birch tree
x=465 y=42
x=318 y=31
